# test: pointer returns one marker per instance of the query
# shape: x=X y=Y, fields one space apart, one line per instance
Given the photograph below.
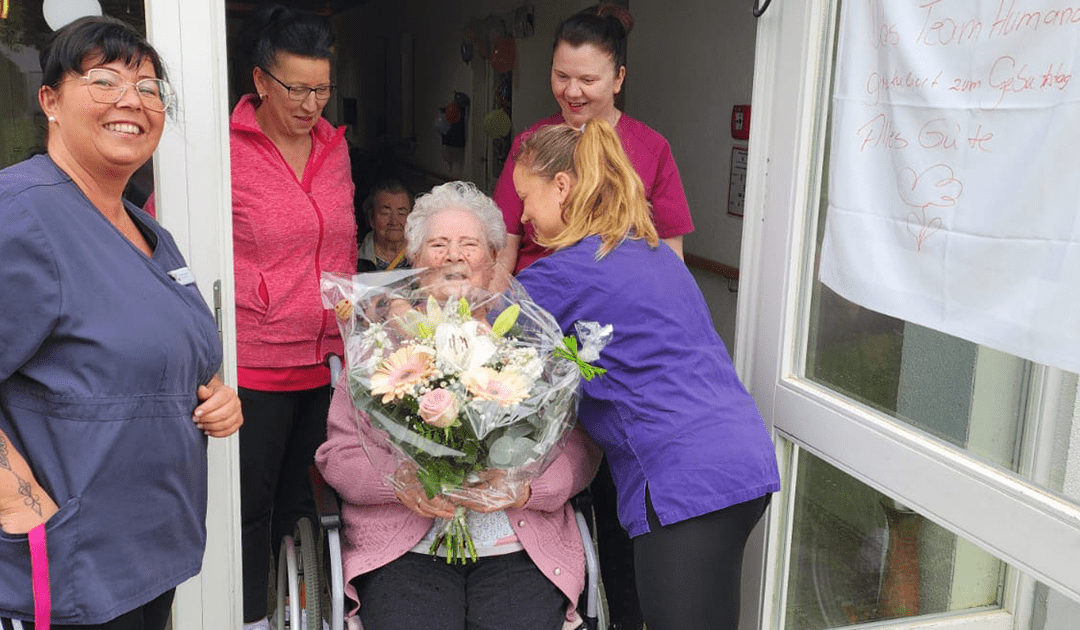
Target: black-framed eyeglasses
x=107 y=86
x=300 y=92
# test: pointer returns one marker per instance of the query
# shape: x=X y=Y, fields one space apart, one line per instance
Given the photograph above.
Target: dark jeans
x=151 y=616
x=278 y=440
x=689 y=573
x=422 y=592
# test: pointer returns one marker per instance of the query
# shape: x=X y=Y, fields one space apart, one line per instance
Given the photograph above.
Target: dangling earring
x=262 y=97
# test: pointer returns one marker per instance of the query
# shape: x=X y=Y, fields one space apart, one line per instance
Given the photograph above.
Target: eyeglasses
x=300 y=92
x=106 y=86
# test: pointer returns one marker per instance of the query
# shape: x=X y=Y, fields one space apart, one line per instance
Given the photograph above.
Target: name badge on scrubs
x=183 y=275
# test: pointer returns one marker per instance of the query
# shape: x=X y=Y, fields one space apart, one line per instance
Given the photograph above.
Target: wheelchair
x=302 y=579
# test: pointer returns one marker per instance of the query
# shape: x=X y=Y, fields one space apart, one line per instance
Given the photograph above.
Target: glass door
x=928 y=481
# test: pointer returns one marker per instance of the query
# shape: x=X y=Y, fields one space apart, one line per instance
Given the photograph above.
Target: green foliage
x=569 y=351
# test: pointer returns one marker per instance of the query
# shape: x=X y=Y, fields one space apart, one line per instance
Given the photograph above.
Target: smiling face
x=279 y=115
x=542 y=199
x=454 y=242
x=388 y=217
x=103 y=139
x=585 y=81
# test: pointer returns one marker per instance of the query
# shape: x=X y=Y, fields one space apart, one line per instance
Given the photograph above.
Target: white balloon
x=60 y=13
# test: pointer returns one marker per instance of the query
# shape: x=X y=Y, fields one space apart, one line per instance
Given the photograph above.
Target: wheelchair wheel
x=298 y=579
x=309 y=564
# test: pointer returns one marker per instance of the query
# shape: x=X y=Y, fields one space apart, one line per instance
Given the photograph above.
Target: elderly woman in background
x=108 y=383
x=531 y=566
x=293 y=218
x=386 y=208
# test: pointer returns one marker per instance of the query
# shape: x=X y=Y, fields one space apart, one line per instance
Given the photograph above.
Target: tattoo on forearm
x=32 y=500
x=4 y=463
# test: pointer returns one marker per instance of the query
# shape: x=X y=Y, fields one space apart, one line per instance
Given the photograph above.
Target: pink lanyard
x=39 y=569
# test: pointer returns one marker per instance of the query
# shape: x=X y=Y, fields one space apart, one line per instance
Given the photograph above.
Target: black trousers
x=422 y=592
x=616 y=552
x=689 y=573
x=153 y=615
x=278 y=440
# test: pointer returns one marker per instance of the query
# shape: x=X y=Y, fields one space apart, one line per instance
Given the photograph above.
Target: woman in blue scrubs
x=108 y=355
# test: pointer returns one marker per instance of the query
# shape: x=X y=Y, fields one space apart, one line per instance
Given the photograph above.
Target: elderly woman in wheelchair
x=531 y=565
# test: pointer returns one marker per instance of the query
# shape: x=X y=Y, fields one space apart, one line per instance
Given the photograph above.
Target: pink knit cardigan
x=379 y=529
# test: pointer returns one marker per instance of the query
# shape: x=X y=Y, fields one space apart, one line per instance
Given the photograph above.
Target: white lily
x=462 y=347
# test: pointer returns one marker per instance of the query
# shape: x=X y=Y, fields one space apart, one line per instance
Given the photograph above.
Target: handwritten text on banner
x=954 y=174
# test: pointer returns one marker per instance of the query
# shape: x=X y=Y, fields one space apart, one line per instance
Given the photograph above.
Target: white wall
x=688 y=64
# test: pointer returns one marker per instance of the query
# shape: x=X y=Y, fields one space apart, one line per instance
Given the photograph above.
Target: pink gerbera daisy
x=399 y=372
x=506 y=388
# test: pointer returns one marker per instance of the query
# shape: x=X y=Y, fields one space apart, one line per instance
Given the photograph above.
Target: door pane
x=858 y=556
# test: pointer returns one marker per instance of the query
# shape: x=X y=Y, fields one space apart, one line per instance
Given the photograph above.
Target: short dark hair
x=605 y=26
x=276 y=28
x=69 y=47
x=391 y=186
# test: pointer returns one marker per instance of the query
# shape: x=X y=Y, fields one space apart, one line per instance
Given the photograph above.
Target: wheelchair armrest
x=327 y=504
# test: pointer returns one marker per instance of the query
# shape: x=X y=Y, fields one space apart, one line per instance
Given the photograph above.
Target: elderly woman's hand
x=219 y=415
x=493 y=493
x=411 y=494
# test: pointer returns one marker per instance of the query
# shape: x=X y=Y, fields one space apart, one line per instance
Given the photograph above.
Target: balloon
x=466 y=51
x=59 y=13
x=453 y=113
x=497 y=123
x=442 y=125
x=504 y=54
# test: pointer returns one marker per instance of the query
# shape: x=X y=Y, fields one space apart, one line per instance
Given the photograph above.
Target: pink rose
x=438 y=408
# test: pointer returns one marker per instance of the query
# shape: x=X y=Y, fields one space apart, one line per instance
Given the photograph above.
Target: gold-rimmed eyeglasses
x=300 y=92
x=107 y=86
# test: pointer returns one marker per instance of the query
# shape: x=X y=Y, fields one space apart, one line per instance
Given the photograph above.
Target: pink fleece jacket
x=286 y=232
x=379 y=529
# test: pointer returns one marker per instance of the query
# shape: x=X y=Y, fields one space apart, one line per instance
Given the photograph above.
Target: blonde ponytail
x=608 y=198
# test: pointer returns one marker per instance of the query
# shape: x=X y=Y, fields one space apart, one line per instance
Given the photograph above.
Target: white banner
x=954 y=190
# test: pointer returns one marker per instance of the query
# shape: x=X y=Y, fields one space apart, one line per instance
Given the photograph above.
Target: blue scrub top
x=101 y=353
x=670 y=413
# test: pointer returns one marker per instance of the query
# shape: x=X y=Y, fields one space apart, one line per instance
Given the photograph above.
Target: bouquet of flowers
x=462 y=383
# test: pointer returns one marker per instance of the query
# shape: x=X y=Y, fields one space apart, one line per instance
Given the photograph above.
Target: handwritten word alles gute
x=936 y=134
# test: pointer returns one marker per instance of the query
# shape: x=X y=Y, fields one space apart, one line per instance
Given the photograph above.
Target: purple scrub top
x=670 y=413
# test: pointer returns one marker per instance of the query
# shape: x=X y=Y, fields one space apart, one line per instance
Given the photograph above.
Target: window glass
x=858 y=556
x=980 y=400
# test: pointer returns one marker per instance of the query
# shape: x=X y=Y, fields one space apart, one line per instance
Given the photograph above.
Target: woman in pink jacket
x=531 y=566
x=292 y=219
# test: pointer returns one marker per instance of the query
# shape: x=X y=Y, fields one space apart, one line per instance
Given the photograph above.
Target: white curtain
x=954 y=174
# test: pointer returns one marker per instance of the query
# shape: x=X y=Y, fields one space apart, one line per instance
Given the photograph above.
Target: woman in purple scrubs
x=691 y=458
x=108 y=354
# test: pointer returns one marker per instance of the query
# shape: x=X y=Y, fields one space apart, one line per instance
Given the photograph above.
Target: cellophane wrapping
x=461 y=383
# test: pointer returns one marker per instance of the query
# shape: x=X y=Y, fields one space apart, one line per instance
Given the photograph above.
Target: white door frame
x=1016 y=521
x=194 y=201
